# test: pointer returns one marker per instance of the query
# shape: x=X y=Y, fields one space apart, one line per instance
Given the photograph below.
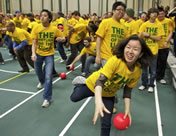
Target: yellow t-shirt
x=81 y=21
x=168 y=27
x=118 y=75
x=32 y=25
x=37 y=20
x=62 y=21
x=10 y=21
x=138 y=24
x=173 y=21
x=45 y=39
x=1 y=26
x=20 y=35
x=25 y=23
x=112 y=32
x=155 y=29
x=122 y=21
x=54 y=23
x=131 y=27
x=91 y=50
x=18 y=21
x=79 y=33
x=72 y=21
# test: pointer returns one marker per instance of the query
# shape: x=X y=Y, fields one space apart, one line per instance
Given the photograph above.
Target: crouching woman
x=122 y=70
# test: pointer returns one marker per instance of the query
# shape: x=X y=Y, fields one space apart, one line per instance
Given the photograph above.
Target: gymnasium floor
x=21 y=114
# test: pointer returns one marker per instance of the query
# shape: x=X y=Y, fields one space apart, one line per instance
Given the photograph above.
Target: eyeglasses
x=120 y=10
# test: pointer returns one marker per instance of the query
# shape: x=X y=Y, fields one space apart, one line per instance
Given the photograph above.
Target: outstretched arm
x=127 y=100
x=75 y=60
x=99 y=105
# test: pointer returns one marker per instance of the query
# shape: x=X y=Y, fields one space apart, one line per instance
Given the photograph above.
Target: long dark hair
x=147 y=56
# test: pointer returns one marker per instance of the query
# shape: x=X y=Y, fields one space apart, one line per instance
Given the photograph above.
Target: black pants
x=24 y=55
x=61 y=50
x=81 y=92
x=74 y=52
x=174 y=44
x=1 y=58
x=161 y=63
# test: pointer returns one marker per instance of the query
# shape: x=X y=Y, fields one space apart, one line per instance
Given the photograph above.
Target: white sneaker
x=141 y=88
x=2 y=63
x=62 y=61
x=39 y=86
x=45 y=104
x=162 y=81
x=173 y=65
x=150 y=89
x=83 y=74
x=79 y=80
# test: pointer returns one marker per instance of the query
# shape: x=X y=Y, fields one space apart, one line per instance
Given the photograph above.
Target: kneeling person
x=90 y=50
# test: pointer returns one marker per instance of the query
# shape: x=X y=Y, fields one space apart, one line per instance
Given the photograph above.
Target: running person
x=90 y=50
x=43 y=36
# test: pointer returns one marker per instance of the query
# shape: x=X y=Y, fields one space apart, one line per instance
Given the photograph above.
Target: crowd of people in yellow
x=121 y=47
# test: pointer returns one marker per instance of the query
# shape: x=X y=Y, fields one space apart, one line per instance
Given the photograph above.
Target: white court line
x=16 y=91
x=8 y=59
x=75 y=117
x=56 y=56
x=30 y=97
x=6 y=71
x=160 y=132
x=3 y=48
x=158 y=114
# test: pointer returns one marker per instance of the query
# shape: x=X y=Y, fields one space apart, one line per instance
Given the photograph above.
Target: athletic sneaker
x=2 y=63
x=39 y=86
x=141 y=88
x=83 y=74
x=79 y=80
x=162 y=81
x=173 y=65
x=46 y=103
x=62 y=61
x=150 y=89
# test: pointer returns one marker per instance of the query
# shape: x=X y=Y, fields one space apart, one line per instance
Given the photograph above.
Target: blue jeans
x=152 y=71
x=45 y=73
x=9 y=43
x=90 y=60
x=61 y=50
x=81 y=92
